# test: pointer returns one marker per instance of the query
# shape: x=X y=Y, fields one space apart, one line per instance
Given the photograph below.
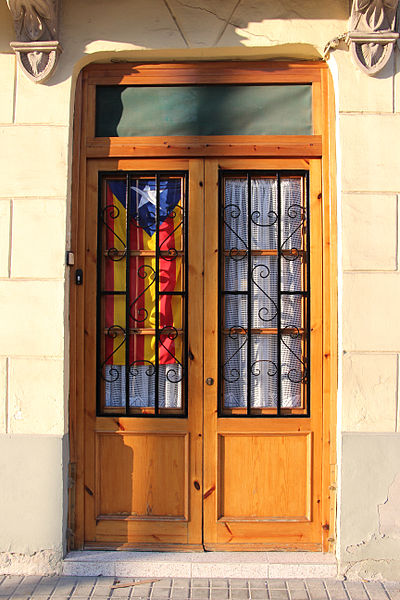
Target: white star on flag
x=146 y=195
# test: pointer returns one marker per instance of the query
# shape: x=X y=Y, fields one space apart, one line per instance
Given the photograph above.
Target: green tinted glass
x=124 y=111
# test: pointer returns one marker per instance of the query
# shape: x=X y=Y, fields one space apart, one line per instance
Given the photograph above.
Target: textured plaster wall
x=369 y=125
x=35 y=163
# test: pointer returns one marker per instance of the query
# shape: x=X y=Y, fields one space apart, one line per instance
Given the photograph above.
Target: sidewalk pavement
x=101 y=588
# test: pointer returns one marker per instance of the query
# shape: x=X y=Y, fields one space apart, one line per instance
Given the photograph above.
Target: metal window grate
x=142 y=337
x=264 y=299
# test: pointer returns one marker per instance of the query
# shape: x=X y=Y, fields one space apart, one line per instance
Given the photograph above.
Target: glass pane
x=264 y=291
x=203 y=110
x=235 y=215
x=294 y=373
x=265 y=294
x=264 y=369
x=234 y=370
x=142 y=294
x=264 y=213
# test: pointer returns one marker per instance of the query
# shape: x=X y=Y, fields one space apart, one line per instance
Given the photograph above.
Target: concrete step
x=246 y=565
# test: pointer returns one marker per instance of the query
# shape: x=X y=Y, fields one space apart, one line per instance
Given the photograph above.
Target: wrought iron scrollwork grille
x=142 y=338
x=264 y=300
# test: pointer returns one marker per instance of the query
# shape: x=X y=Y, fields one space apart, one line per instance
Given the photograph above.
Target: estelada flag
x=139 y=280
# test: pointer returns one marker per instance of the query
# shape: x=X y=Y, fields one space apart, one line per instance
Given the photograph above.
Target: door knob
x=210 y=381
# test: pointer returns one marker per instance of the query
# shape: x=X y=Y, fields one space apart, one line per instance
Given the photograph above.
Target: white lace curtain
x=264 y=292
x=142 y=386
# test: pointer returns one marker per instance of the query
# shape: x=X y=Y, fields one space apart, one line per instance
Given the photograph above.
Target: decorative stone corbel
x=36 y=28
x=372 y=34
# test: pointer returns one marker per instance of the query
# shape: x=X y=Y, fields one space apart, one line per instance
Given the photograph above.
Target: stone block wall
x=34 y=149
x=368 y=423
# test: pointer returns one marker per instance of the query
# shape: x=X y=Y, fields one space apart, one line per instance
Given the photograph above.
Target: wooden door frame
x=321 y=144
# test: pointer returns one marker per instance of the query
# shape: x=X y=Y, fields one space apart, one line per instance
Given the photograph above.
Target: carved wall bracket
x=372 y=34
x=36 y=27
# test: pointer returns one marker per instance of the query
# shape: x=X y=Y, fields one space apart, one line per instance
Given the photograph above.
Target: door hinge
x=71 y=475
x=71 y=506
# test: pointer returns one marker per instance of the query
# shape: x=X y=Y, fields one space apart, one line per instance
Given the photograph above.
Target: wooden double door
x=220 y=443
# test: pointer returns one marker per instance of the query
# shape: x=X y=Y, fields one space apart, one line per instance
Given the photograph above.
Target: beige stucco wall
x=35 y=167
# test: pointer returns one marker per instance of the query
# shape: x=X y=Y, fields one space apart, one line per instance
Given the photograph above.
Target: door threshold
x=242 y=565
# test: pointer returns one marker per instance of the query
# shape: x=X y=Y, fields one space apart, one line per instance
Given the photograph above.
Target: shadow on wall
x=97 y=26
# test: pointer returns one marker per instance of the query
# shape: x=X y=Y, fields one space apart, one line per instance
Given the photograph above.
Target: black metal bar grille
x=157 y=332
x=279 y=315
x=127 y=292
x=264 y=356
x=249 y=286
x=121 y=340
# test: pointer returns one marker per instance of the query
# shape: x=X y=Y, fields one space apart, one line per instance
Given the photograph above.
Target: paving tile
x=238 y=583
x=180 y=592
x=160 y=592
x=84 y=586
x=143 y=589
x=65 y=586
x=9 y=584
x=219 y=594
x=393 y=590
x=279 y=595
x=199 y=582
x=277 y=584
x=336 y=590
x=295 y=584
x=257 y=584
x=27 y=585
x=164 y=582
x=121 y=592
x=259 y=594
x=376 y=591
x=298 y=594
x=219 y=583
x=240 y=593
x=181 y=582
x=200 y=593
x=45 y=585
x=355 y=590
x=316 y=589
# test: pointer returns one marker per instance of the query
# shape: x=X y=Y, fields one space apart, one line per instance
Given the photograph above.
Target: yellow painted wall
x=35 y=186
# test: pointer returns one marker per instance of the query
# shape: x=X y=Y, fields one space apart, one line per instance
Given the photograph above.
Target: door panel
x=270 y=464
x=143 y=473
x=262 y=475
